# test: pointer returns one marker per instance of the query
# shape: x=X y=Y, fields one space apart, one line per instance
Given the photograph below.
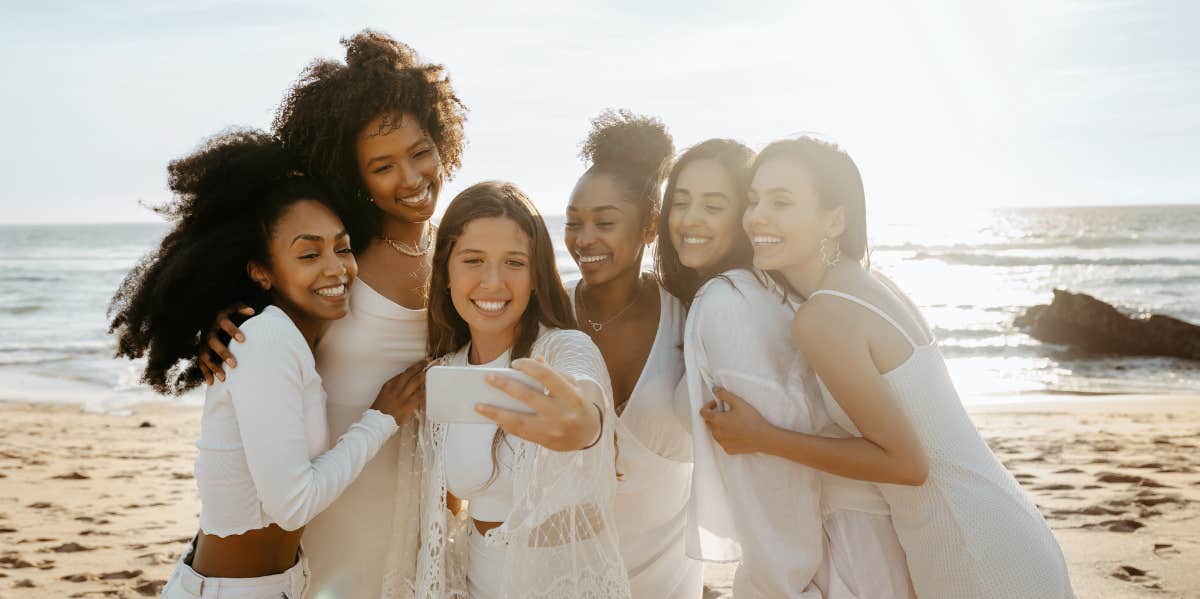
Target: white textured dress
x=969 y=531
x=655 y=462
x=558 y=540
x=351 y=542
x=762 y=510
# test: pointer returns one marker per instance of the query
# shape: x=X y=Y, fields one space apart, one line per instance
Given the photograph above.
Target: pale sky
x=943 y=104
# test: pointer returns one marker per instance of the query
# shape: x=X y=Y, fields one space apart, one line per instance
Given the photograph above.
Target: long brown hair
x=548 y=305
x=679 y=280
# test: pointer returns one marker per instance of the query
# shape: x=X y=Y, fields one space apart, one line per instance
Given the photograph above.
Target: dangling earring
x=837 y=253
x=367 y=197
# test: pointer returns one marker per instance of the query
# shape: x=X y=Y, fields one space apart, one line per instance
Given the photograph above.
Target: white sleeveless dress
x=969 y=531
x=655 y=462
x=349 y=543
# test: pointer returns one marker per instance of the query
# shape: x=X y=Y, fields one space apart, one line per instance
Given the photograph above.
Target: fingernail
x=479 y=408
x=221 y=378
x=232 y=363
x=240 y=337
x=491 y=378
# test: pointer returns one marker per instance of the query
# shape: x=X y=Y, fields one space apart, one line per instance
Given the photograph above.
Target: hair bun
x=374 y=50
x=620 y=137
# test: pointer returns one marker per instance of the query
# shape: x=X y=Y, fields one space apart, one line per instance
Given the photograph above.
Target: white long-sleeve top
x=760 y=509
x=262 y=451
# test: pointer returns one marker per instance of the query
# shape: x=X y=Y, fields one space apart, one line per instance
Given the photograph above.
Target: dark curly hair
x=229 y=194
x=736 y=159
x=837 y=181
x=635 y=150
x=324 y=112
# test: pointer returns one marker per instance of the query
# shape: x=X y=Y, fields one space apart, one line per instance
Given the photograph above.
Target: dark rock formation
x=1081 y=320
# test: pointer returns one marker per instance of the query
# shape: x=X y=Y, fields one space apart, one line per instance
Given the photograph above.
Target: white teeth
x=767 y=240
x=418 y=199
x=695 y=240
x=487 y=306
x=336 y=291
x=591 y=259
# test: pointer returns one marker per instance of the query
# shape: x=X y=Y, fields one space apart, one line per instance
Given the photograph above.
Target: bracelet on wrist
x=599 y=434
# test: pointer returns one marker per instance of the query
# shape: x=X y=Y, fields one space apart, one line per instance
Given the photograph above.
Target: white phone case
x=451 y=393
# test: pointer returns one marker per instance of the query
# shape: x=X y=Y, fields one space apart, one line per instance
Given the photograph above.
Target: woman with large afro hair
x=383 y=130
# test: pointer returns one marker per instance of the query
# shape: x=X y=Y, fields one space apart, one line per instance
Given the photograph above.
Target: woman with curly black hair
x=638 y=327
x=248 y=226
x=383 y=130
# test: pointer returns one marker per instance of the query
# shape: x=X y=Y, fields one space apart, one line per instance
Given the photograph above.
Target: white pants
x=185 y=583
x=485 y=568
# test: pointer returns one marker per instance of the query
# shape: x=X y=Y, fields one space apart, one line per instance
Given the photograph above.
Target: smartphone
x=451 y=393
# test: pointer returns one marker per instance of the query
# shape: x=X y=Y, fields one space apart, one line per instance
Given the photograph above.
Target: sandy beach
x=95 y=504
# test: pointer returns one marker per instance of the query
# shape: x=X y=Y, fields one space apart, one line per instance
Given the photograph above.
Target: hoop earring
x=837 y=254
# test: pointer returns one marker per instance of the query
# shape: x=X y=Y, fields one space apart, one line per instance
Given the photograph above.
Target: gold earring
x=837 y=254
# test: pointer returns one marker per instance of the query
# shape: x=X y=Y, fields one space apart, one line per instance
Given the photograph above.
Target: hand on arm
x=404 y=393
x=568 y=418
x=209 y=366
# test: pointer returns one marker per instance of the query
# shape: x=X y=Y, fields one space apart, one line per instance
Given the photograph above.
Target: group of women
x=762 y=396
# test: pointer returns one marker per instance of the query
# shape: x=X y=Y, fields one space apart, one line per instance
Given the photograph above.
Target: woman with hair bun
x=383 y=130
x=638 y=326
x=249 y=227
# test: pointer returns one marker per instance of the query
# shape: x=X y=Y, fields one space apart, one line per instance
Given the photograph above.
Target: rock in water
x=1081 y=320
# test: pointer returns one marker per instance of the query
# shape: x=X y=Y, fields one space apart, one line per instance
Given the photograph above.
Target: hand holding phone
x=451 y=393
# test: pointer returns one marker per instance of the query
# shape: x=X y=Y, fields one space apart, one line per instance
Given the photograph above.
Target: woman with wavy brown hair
x=383 y=130
x=539 y=487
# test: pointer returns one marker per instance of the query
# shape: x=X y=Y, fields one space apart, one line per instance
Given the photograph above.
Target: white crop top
x=262 y=455
x=469 y=459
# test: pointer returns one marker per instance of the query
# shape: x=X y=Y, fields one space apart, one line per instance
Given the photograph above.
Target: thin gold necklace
x=426 y=242
x=599 y=326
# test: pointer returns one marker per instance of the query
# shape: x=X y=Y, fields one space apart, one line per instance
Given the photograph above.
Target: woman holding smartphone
x=638 y=328
x=383 y=130
x=538 y=487
x=249 y=227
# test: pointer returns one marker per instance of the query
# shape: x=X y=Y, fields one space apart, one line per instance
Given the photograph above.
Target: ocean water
x=971 y=273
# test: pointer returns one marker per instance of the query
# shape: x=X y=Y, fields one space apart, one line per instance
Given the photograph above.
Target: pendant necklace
x=599 y=326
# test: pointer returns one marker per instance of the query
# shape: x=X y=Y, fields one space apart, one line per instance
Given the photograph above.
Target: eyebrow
x=597 y=208
x=779 y=190
x=311 y=237
x=387 y=156
x=521 y=253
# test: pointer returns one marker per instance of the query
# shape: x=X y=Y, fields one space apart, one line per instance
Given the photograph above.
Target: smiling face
x=703 y=220
x=311 y=265
x=605 y=232
x=785 y=219
x=491 y=280
x=400 y=167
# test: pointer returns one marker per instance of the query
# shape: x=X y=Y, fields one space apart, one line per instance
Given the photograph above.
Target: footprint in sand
x=121 y=575
x=1165 y=550
x=150 y=588
x=1138 y=575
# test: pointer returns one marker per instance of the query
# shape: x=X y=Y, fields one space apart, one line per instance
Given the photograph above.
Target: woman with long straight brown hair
x=539 y=487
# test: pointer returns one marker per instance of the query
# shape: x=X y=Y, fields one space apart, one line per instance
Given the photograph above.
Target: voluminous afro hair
x=229 y=194
x=324 y=112
x=634 y=149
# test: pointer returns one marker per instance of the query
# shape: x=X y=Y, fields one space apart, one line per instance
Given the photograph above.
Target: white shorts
x=185 y=583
